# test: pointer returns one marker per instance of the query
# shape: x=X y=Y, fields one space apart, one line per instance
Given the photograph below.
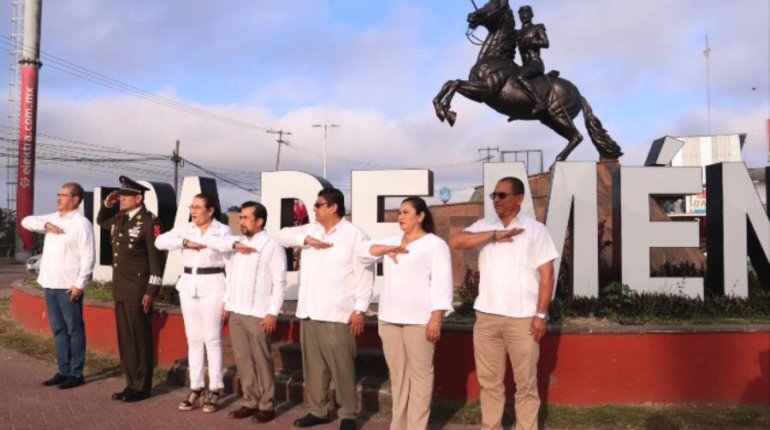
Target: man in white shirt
x=256 y=282
x=515 y=290
x=334 y=293
x=65 y=269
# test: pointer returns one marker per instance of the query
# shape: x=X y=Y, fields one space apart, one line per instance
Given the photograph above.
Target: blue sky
x=374 y=67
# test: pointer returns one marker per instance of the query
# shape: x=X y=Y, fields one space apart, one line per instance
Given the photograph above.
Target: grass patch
x=619 y=417
x=13 y=336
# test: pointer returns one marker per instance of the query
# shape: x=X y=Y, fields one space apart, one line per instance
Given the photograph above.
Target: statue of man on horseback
x=531 y=38
x=522 y=92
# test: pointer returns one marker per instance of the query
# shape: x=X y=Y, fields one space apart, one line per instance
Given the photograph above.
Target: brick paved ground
x=25 y=404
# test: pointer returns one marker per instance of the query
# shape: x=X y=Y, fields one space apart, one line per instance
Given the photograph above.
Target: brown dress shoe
x=242 y=412
x=264 y=416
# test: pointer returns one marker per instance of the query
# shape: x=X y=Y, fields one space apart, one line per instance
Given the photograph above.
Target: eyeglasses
x=500 y=196
x=63 y=195
x=319 y=205
x=196 y=207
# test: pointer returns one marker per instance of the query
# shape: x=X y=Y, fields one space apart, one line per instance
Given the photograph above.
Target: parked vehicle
x=33 y=264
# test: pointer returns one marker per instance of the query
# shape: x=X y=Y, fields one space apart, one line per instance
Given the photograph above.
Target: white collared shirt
x=192 y=284
x=68 y=258
x=509 y=276
x=332 y=281
x=256 y=282
x=420 y=283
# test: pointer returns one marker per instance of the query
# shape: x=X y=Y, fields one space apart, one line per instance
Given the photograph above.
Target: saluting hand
x=195 y=246
x=243 y=249
x=315 y=243
x=52 y=228
x=111 y=199
x=390 y=251
x=506 y=236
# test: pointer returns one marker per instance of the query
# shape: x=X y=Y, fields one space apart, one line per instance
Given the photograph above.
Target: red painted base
x=727 y=367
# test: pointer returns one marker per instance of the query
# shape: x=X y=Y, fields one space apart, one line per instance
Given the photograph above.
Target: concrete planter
x=579 y=366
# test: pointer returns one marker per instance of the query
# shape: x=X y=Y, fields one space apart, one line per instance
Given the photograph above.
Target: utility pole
x=25 y=182
x=326 y=142
x=489 y=152
x=280 y=141
x=178 y=161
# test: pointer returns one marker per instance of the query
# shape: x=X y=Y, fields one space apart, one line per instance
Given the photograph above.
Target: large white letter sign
x=639 y=234
x=369 y=189
x=737 y=226
x=573 y=194
x=493 y=172
x=279 y=189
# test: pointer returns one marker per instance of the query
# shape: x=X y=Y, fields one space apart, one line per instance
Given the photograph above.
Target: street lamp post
x=326 y=142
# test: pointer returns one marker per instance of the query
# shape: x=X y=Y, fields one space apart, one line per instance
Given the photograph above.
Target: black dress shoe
x=347 y=424
x=55 y=380
x=72 y=382
x=119 y=395
x=135 y=396
x=310 y=420
x=263 y=416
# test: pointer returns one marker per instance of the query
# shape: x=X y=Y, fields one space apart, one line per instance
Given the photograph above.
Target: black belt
x=204 y=270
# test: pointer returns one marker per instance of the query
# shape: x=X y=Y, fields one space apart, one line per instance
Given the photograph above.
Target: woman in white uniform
x=416 y=295
x=201 y=293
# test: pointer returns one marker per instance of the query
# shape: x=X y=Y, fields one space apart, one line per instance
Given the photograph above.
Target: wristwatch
x=184 y=243
x=543 y=317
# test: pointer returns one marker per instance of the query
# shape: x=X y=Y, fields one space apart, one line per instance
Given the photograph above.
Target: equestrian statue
x=522 y=92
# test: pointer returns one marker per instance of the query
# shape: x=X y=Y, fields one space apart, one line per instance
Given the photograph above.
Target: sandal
x=210 y=405
x=191 y=401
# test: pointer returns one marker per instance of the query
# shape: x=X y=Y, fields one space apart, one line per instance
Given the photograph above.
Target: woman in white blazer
x=201 y=292
x=416 y=295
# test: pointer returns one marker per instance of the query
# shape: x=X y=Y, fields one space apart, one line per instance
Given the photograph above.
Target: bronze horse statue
x=493 y=81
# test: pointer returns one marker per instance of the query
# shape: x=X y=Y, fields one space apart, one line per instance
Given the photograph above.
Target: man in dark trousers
x=136 y=278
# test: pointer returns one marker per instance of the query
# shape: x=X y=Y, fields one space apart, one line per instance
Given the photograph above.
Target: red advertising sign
x=27 y=132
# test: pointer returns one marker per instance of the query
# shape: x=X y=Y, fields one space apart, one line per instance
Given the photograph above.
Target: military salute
x=136 y=279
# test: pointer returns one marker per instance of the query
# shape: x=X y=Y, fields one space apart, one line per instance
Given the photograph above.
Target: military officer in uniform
x=136 y=279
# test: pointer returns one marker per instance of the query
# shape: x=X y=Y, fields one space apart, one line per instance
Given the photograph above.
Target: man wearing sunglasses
x=334 y=293
x=515 y=290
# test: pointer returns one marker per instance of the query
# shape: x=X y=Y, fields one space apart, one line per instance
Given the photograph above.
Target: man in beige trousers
x=515 y=290
x=334 y=292
x=256 y=281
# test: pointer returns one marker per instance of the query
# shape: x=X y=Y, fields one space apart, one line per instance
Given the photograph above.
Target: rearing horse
x=493 y=82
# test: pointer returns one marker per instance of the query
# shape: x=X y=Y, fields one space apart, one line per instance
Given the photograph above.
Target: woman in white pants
x=416 y=295
x=201 y=293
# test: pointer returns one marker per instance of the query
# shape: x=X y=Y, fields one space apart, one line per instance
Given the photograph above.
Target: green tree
x=7 y=232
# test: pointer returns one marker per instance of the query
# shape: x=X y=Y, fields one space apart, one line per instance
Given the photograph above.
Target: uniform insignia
x=134 y=232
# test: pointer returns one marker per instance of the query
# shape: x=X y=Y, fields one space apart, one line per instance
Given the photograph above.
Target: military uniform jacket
x=137 y=267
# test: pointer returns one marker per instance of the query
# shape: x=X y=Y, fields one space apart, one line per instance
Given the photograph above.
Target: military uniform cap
x=129 y=187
